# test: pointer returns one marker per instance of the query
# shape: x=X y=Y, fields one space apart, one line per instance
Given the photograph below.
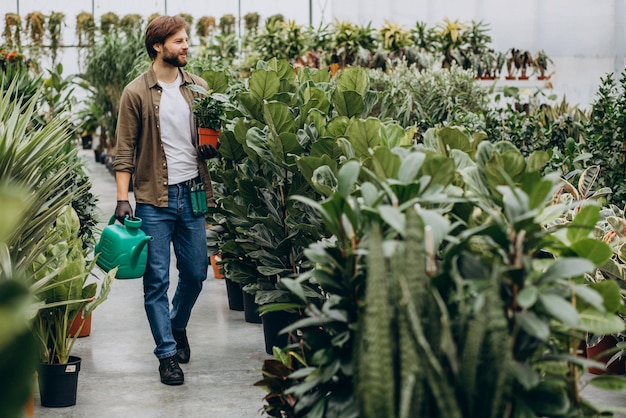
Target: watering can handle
x=132 y=222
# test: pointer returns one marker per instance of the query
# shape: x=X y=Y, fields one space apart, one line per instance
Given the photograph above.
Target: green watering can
x=123 y=246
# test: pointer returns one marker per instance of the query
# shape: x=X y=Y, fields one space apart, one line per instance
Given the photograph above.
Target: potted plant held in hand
x=208 y=110
x=68 y=295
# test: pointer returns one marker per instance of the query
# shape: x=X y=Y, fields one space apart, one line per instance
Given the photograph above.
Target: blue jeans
x=175 y=225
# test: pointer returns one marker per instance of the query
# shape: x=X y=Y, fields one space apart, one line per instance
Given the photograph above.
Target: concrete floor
x=119 y=376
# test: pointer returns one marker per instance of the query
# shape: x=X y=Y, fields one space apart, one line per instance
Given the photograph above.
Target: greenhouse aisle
x=119 y=377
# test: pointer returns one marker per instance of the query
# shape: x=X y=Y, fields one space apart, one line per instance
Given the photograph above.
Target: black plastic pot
x=235 y=295
x=58 y=383
x=273 y=323
x=250 y=309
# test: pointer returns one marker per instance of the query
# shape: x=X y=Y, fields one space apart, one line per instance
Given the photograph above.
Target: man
x=157 y=147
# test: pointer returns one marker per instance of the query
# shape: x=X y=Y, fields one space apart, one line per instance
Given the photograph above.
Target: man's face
x=174 y=50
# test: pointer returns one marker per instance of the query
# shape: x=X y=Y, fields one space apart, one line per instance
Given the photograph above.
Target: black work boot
x=183 y=352
x=170 y=371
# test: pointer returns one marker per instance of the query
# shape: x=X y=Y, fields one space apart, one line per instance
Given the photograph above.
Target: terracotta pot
x=593 y=353
x=29 y=408
x=216 y=267
x=85 y=330
x=207 y=136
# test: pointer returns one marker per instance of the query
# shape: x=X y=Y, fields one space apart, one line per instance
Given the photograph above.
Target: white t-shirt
x=176 y=122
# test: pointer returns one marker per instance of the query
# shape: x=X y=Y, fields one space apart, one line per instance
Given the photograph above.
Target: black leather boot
x=170 y=371
x=183 y=352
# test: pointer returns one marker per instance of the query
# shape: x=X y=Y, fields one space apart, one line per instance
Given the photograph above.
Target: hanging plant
x=35 y=26
x=56 y=21
x=227 y=24
x=130 y=22
x=12 y=29
x=109 y=22
x=204 y=28
x=251 y=21
x=85 y=29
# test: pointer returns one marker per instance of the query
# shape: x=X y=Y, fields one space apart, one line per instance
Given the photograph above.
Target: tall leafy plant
x=482 y=286
x=606 y=135
x=109 y=66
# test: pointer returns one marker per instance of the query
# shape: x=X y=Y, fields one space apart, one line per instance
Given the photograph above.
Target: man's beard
x=174 y=59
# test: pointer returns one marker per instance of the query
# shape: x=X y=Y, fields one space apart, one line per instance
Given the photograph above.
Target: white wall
x=585 y=38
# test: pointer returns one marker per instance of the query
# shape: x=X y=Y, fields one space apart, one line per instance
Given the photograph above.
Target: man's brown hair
x=160 y=29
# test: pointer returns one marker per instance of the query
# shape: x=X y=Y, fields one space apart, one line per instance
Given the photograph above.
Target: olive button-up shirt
x=138 y=134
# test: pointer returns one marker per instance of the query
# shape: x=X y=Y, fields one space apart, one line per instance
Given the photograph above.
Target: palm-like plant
x=115 y=61
x=42 y=160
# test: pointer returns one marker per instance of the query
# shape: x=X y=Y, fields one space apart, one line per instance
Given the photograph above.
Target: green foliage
x=69 y=293
x=109 y=66
x=483 y=300
x=42 y=246
x=209 y=108
x=427 y=98
x=18 y=350
x=605 y=136
x=41 y=157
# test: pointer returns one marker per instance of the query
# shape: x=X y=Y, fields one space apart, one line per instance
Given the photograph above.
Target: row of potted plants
x=44 y=248
x=342 y=43
x=306 y=175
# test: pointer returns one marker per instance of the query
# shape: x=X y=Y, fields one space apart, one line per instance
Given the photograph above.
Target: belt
x=190 y=182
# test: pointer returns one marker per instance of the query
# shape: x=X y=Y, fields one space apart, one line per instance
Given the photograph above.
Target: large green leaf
x=410 y=166
x=363 y=135
x=533 y=325
x=584 y=223
x=217 y=80
x=279 y=118
x=348 y=103
x=559 y=308
x=307 y=165
x=595 y=322
x=353 y=78
x=385 y=163
x=566 y=268
x=393 y=135
x=594 y=250
x=440 y=168
x=264 y=85
x=348 y=175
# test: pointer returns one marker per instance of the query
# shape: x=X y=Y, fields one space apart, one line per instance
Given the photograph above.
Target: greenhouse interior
x=314 y=209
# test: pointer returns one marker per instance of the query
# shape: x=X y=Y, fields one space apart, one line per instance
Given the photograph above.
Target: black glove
x=123 y=210
x=207 y=152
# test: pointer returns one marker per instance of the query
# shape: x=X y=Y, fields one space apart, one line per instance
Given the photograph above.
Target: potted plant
x=208 y=110
x=524 y=63
x=541 y=64
x=64 y=262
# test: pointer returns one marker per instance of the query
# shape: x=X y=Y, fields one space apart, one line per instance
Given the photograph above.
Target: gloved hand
x=123 y=210
x=207 y=152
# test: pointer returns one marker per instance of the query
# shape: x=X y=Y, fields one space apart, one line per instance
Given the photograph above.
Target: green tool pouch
x=198 y=198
